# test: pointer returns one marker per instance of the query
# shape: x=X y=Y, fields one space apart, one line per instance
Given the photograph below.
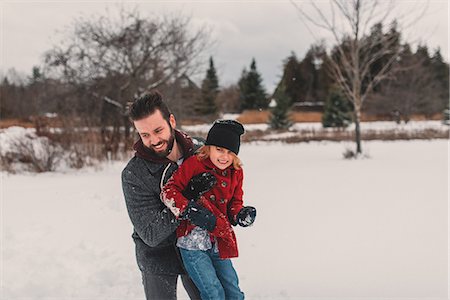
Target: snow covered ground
x=326 y=227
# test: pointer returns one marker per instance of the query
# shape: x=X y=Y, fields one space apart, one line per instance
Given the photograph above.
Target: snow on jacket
x=154 y=224
x=224 y=200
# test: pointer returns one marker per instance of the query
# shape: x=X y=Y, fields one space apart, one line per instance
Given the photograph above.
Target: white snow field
x=412 y=126
x=326 y=227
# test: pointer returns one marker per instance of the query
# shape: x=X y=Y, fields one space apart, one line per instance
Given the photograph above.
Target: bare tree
x=355 y=54
x=143 y=52
x=110 y=60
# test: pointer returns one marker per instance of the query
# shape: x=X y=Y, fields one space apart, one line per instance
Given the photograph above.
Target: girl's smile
x=221 y=157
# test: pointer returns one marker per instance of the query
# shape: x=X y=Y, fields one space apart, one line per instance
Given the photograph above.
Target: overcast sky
x=266 y=30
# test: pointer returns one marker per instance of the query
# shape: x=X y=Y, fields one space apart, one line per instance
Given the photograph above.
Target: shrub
x=337 y=111
x=23 y=150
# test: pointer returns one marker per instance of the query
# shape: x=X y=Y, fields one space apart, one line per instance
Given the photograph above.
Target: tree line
x=102 y=64
x=418 y=82
x=110 y=68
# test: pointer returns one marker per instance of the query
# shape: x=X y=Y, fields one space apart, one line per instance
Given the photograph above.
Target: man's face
x=156 y=133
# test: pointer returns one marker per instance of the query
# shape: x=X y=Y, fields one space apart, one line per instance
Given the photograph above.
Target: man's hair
x=147 y=104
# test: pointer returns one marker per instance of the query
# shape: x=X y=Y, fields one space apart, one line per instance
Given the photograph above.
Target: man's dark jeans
x=164 y=287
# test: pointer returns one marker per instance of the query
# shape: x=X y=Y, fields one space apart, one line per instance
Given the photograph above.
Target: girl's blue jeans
x=214 y=277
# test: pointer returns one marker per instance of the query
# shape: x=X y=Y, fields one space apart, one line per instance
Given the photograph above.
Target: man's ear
x=172 y=121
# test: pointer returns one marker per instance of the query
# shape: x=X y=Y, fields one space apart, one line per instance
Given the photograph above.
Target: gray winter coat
x=154 y=225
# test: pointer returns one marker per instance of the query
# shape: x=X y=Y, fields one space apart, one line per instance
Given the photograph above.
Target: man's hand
x=246 y=216
x=198 y=185
x=200 y=216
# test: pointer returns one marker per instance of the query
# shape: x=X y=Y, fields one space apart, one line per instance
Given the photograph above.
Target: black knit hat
x=226 y=134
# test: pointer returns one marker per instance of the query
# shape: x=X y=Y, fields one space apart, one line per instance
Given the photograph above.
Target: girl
x=206 y=248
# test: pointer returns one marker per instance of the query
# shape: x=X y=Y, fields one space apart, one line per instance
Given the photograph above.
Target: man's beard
x=169 y=147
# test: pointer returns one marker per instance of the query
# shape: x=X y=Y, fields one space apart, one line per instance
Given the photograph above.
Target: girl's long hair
x=203 y=153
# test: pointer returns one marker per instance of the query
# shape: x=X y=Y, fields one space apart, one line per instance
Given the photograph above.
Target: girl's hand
x=246 y=216
x=198 y=185
x=200 y=216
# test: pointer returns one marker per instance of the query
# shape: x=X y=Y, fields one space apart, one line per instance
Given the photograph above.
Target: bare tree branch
x=353 y=57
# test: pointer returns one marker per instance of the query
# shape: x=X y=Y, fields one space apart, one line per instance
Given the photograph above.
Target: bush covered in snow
x=22 y=150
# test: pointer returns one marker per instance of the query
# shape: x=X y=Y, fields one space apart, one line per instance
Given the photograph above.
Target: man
x=159 y=151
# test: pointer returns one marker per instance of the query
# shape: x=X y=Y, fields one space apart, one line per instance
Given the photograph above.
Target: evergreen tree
x=243 y=90
x=338 y=110
x=279 y=113
x=36 y=75
x=441 y=75
x=323 y=80
x=446 y=116
x=289 y=82
x=206 y=105
x=252 y=93
x=307 y=80
x=374 y=43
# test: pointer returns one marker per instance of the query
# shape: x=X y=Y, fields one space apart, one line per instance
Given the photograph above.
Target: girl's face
x=220 y=157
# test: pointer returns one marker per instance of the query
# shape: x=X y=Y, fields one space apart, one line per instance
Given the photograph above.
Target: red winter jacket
x=225 y=198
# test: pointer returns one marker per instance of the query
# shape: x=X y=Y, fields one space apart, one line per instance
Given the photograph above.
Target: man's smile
x=159 y=146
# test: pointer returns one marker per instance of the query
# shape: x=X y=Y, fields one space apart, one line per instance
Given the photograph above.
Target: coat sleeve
x=171 y=193
x=152 y=222
x=236 y=203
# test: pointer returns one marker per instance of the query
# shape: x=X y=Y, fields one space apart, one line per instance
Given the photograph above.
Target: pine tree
x=206 y=105
x=441 y=75
x=446 y=116
x=290 y=79
x=307 y=80
x=243 y=90
x=279 y=113
x=338 y=110
x=253 y=95
x=36 y=75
